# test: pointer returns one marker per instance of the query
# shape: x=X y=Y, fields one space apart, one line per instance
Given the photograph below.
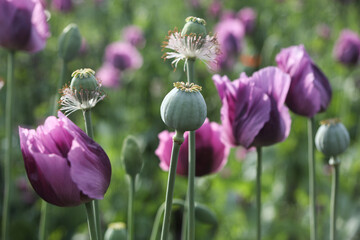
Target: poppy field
x=180 y=120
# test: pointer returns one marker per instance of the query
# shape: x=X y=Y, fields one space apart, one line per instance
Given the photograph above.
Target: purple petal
x=90 y=168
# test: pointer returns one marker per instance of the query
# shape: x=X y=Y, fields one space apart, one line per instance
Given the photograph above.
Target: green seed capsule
x=116 y=231
x=332 y=138
x=195 y=26
x=184 y=107
x=69 y=42
x=84 y=80
x=131 y=156
x=205 y=214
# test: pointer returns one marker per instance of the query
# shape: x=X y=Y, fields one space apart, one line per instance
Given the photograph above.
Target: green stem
x=312 y=182
x=170 y=185
x=334 y=191
x=43 y=217
x=131 y=208
x=258 y=192
x=90 y=133
x=158 y=216
x=191 y=188
x=90 y=213
x=59 y=86
x=185 y=220
x=8 y=148
x=190 y=70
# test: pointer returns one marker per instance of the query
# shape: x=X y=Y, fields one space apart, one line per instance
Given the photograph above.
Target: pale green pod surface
x=84 y=80
x=184 y=108
x=69 y=42
x=131 y=157
x=195 y=26
x=205 y=214
x=116 y=231
x=332 y=138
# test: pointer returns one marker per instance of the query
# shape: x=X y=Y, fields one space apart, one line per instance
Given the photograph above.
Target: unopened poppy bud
x=194 y=26
x=69 y=42
x=184 y=107
x=116 y=231
x=205 y=214
x=332 y=138
x=131 y=156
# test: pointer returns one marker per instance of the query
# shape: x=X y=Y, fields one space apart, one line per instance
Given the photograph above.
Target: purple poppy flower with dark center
x=253 y=111
x=247 y=16
x=347 y=48
x=211 y=153
x=64 y=165
x=310 y=91
x=134 y=35
x=109 y=76
x=23 y=25
x=123 y=56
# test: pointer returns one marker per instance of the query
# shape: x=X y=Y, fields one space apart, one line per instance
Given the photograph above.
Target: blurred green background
x=134 y=109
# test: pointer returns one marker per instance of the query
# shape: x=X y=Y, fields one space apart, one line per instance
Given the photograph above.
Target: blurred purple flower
x=230 y=34
x=23 y=25
x=247 y=16
x=310 y=90
x=215 y=9
x=134 y=35
x=347 y=47
x=123 y=56
x=62 y=5
x=84 y=48
x=211 y=153
x=63 y=164
x=109 y=76
x=253 y=111
x=323 y=30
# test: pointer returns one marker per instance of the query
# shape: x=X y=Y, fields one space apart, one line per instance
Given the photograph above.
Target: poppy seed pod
x=332 y=138
x=194 y=26
x=116 y=231
x=184 y=107
x=205 y=214
x=131 y=156
x=84 y=79
x=69 y=42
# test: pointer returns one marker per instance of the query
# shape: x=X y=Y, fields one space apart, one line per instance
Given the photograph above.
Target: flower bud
x=69 y=42
x=116 y=231
x=184 y=108
x=84 y=80
x=205 y=214
x=195 y=26
x=131 y=156
x=332 y=138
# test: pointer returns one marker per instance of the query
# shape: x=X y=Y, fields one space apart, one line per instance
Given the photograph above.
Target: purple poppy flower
x=253 y=111
x=62 y=5
x=230 y=33
x=134 y=35
x=123 y=56
x=310 y=91
x=211 y=153
x=247 y=16
x=63 y=164
x=23 y=25
x=347 y=47
x=109 y=76
x=215 y=8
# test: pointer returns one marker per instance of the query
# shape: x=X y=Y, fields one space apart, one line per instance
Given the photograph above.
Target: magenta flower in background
x=253 y=111
x=123 y=56
x=109 y=76
x=62 y=5
x=63 y=164
x=347 y=48
x=211 y=153
x=310 y=91
x=230 y=33
x=23 y=25
x=134 y=35
x=247 y=16
x=215 y=8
